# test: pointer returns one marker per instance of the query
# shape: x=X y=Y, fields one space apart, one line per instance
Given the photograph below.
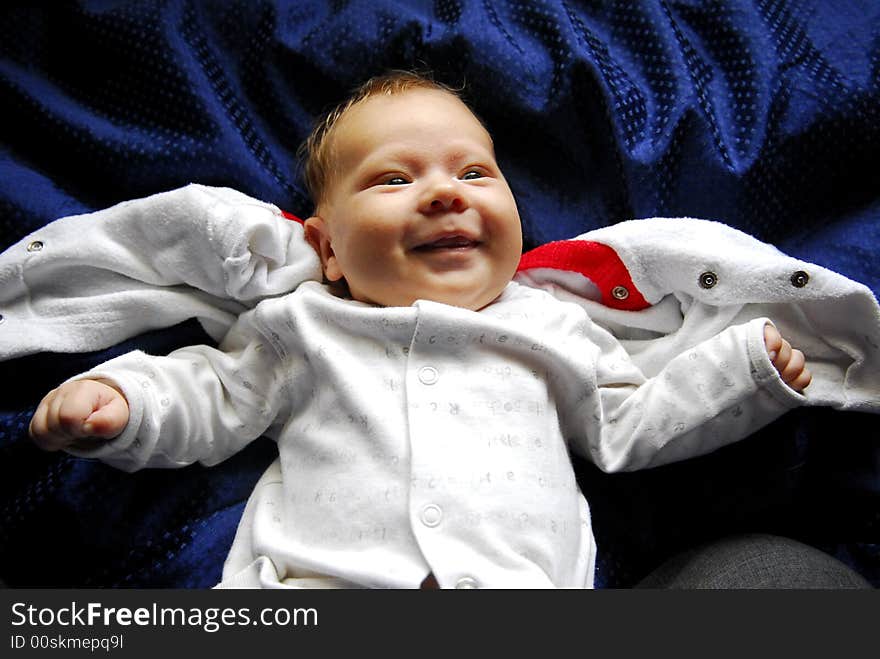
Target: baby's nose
x=444 y=197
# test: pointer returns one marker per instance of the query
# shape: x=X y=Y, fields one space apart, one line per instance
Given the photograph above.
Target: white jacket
x=382 y=476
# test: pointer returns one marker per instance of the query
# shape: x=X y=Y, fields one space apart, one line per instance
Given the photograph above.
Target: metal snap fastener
x=466 y=583
x=428 y=375
x=799 y=279
x=620 y=292
x=35 y=246
x=708 y=279
x=431 y=515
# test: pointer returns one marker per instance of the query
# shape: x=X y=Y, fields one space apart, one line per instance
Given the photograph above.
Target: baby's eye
x=395 y=180
x=472 y=174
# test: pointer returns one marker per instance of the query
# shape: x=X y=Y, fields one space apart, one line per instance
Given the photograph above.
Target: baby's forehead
x=417 y=114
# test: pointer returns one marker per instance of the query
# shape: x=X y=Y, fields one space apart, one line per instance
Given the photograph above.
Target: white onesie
x=431 y=438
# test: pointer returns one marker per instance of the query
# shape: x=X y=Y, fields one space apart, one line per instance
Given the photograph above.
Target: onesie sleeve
x=197 y=404
x=87 y=282
x=713 y=394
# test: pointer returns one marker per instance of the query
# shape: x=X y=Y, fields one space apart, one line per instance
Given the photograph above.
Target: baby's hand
x=790 y=363
x=84 y=408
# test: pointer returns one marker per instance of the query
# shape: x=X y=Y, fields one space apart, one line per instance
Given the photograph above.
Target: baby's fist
x=790 y=363
x=84 y=408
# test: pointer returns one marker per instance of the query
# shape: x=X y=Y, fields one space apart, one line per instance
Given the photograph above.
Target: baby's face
x=416 y=207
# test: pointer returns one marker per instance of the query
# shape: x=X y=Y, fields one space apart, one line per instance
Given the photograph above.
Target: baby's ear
x=318 y=236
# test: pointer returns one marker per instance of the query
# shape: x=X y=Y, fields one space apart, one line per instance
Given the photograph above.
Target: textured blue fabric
x=761 y=114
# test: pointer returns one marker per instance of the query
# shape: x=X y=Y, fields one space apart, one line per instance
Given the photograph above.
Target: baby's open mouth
x=448 y=243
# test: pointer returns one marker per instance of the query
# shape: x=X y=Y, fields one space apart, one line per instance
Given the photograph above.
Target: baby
x=423 y=404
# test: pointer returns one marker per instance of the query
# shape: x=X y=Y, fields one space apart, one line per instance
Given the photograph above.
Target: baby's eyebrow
x=384 y=162
x=413 y=157
x=465 y=155
x=460 y=155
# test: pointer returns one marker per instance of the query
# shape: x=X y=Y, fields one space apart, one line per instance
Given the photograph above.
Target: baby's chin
x=474 y=303
x=472 y=299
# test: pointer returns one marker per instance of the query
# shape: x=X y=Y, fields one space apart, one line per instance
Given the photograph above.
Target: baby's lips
x=452 y=241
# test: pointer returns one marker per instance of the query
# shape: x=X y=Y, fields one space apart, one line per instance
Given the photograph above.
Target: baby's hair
x=317 y=149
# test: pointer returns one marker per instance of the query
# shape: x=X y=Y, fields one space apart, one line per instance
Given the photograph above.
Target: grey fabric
x=754 y=561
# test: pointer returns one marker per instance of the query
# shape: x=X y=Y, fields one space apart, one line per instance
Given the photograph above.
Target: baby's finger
x=79 y=403
x=38 y=420
x=53 y=413
x=39 y=428
x=43 y=436
x=772 y=341
x=783 y=356
x=794 y=367
x=802 y=381
x=108 y=421
x=67 y=412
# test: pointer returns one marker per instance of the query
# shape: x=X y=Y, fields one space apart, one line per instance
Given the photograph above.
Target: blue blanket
x=764 y=115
